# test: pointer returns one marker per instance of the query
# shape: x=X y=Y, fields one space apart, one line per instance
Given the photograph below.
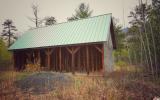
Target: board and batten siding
x=108 y=59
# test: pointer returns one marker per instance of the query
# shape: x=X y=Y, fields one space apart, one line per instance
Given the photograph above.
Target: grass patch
x=22 y=75
x=6 y=75
x=119 y=85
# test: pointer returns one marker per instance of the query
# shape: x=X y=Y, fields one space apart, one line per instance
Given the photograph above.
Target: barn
x=83 y=45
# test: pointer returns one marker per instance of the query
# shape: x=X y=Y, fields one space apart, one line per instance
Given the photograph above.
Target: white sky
x=19 y=10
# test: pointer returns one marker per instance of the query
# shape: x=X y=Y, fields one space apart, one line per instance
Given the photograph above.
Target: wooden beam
x=22 y=60
x=98 y=48
x=92 y=62
x=96 y=61
x=39 y=57
x=102 y=60
x=56 y=60
x=75 y=50
x=79 y=60
x=14 y=60
x=73 y=64
x=48 y=59
x=73 y=59
x=69 y=50
x=48 y=52
x=72 y=50
x=28 y=57
x=87 y=56
x=60 y=59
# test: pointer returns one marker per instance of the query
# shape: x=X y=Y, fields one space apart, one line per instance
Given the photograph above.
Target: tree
x=50 y=21
x=35 y=19
x=154 y=22
x=156 y=7
x=9 y=31
x=145 y=26
x=120 y=53
x=83 y=11
x=5 y=56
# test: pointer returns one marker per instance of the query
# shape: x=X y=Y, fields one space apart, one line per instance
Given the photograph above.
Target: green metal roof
x=89 y=30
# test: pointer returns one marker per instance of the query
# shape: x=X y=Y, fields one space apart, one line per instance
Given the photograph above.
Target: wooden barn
x=83 y=45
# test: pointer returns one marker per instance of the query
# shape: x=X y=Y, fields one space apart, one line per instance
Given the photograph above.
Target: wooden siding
x=78 y=58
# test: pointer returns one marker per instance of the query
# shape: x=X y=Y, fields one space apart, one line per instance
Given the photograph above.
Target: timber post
x=103 y=61
x=101 y=50
x=39 y=58
x=73 y=64
x=14 y=60
x=48 y=52
x=87 y=56
x=28 y=57
x=73 y=51
x=60 y=59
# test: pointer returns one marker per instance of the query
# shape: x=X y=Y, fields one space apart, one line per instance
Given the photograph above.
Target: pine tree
x=83 y=11
x=9 y=31
x=50 y=20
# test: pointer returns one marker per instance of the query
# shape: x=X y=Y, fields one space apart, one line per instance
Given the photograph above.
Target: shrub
x=32 y=67
x=121 y=65
x=5 y=57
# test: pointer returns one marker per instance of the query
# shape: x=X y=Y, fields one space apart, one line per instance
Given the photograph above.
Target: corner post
x=103 y=70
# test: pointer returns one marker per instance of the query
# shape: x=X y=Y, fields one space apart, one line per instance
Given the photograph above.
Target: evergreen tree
x=50 y=21
x=9 y=31
x=83 y=11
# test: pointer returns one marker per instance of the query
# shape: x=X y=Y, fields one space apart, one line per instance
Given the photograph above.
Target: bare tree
x=35 y=19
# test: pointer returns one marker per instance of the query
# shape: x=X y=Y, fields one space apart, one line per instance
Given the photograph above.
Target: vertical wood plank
x=79 y=60
x=60 y=59
x=48 y=56
x=39 y=57
x=53 y=59
x=73 y=64
x=87 y=62
x=28 y=57
x=92 y=62
x=96 y=61
x=14 y=60
x=84 y=60
x=48 y=53
x=102 y=60
x=73 y=51
x=56 y=61
x=22 y=60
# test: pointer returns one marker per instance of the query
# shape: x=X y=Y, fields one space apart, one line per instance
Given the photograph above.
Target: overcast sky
x=19 y=10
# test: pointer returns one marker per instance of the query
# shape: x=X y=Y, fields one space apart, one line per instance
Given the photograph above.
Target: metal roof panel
x=93 y=29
